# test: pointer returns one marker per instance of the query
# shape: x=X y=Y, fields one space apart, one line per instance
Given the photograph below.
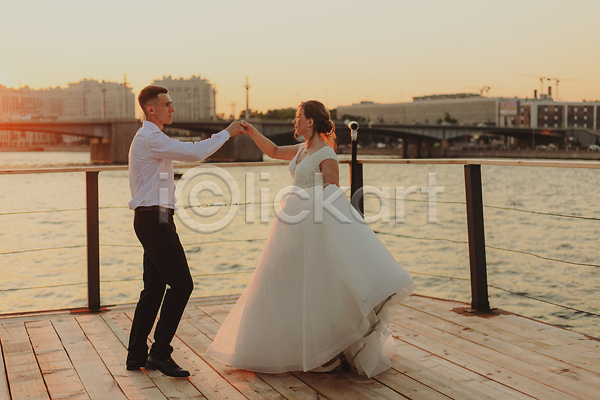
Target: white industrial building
x=474 y=109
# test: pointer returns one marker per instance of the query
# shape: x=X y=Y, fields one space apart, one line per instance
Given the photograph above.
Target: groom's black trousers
x=164 y=264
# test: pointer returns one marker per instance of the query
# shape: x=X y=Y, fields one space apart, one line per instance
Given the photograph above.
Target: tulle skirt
x=324 y=285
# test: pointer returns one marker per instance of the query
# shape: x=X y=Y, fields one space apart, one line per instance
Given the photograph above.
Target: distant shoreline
x=46 y=148
x=396 y=152
x=516 y=153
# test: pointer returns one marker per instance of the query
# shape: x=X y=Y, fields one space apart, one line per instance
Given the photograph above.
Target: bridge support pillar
x=426 y=149
x=439 y=149
x=115 y=148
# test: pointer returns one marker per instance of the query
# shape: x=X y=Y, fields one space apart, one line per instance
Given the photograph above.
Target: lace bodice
x=304 y=172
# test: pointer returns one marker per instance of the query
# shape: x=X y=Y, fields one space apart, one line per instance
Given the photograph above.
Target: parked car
x=594 y=147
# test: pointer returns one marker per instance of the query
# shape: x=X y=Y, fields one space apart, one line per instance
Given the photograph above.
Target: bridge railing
x=474 y=208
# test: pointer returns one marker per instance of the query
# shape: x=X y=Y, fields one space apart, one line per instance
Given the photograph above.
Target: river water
x=43 y=236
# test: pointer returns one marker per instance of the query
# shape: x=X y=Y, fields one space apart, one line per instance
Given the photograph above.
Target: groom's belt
x=155 y=208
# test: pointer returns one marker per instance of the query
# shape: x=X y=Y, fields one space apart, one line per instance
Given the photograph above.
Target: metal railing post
x=474 y=200
x=93 y=241
x=356 y=181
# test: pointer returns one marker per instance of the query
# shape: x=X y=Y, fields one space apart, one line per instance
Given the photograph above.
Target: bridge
x=420 y=137
x=110 y=140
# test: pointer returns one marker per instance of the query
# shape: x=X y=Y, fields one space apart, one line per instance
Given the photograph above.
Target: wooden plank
x=285 y=384
x=4 y=391
x=545 y=370
x=483 y=367
x=32 y=316
x=59 y=374
x=550 y=333
x=116 y=330
x=408 y=387
x=134 y=384
x=246 y=382
x=224 y=300
x=546 y=329
x=347 y=385
x=559 y=348
x=436 y=381
x=24 y=376
x=96 y=379
x=172 y=388
x=207 y=324
x=289 y=386
x=457 y=374
x=217 y=311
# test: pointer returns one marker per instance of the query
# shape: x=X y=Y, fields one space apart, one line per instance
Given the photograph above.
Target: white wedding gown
x=322 y=286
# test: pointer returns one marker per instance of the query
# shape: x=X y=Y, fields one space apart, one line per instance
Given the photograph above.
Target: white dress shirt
x=151 y=158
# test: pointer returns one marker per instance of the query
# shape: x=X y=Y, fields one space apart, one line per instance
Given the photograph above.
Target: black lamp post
x=356 y=176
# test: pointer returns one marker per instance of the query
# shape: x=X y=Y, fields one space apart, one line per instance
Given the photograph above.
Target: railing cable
x=511 y=292
x=120 y=280
x=227 y=204
x=491 y=247
x=42 y=249
x=496 y=207
x=544 y=301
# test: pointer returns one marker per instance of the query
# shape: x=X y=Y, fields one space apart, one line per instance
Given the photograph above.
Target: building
x=193 y=98
x=467 y=108
x=86 y=99
x=547 y=113
x=474 y=109
x=98 y=100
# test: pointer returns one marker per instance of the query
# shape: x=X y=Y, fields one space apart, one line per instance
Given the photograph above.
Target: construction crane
x=558 y=80
x=545 y=78
x=541 y=78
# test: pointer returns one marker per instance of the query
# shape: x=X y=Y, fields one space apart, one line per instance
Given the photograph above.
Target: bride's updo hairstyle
x=322 y=120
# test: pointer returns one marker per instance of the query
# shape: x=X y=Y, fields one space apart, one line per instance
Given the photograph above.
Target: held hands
x=240 y=127
x=236 y=128
x=248 y=128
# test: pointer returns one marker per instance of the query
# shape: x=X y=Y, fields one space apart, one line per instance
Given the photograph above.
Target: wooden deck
x=443 y=353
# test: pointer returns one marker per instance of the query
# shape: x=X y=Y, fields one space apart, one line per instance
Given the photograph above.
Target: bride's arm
x=268 y=147
x=331 y=172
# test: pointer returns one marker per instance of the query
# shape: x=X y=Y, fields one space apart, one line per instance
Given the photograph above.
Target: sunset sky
x=339 y=52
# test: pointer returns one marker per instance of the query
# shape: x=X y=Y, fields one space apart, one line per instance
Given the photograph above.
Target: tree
x=281 y=114
x=448 y=119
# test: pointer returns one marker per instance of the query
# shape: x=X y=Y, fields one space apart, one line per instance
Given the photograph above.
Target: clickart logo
x=196 y=177
x=201 y=183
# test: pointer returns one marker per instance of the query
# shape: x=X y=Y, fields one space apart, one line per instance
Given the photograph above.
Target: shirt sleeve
x=163 y=147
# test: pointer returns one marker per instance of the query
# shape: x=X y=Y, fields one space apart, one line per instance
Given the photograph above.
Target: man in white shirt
x=152 y=187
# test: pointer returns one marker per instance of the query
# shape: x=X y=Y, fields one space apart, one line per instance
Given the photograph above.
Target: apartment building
x=193 y=98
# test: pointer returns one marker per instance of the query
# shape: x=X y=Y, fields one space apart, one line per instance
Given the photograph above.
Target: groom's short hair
x=150 y=93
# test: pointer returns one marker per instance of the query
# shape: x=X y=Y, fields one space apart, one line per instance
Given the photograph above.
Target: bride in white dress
x=324 y=284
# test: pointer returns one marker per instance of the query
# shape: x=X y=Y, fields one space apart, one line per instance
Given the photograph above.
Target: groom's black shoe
x=134 y=365
x=167 y=367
